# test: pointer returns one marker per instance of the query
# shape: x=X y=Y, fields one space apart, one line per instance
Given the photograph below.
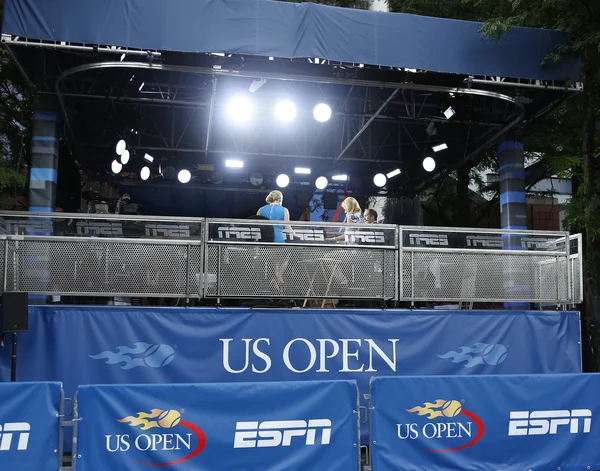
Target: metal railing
x=140 y=256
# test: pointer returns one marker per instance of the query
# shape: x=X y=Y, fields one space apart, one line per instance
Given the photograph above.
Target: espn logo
x=9 y=430
x=485 y=242
x=544 y=422
x=437 y=240
x=280 y=433
x=167 y=230
x=307 y=235
x=244 y=233
x=367 y=237
x=99 y=228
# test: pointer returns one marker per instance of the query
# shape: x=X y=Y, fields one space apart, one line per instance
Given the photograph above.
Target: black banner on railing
x=101 y=228
x=482 y=241
x=302 y=235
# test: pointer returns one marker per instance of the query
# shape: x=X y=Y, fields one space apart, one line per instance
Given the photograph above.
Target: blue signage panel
x=227 y=426
x=29 y=426
x=486 y=422
x=116 y=345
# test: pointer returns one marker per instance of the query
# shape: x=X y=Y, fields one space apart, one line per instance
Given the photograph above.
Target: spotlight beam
x=367 y=124
x=211 y=112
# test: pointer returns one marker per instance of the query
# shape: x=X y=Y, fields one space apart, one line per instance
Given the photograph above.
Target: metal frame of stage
x=141 y=256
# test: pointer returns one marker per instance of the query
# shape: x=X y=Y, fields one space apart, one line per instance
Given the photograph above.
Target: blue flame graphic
x=479 y=354
x=142 y=355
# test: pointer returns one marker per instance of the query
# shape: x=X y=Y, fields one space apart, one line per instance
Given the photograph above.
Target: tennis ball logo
x=494 y=354
x=158 y=356
x=169 y=419
x=451 y=408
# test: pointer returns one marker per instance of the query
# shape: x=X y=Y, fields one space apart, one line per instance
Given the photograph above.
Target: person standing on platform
x=274 y=211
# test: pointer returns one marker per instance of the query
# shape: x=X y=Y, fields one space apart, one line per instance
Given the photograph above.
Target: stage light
x=240 y=109
x=121 y=146
x=285 y=111
x=449 y=113
x=321 y=183
x=122 y=57
x=116 y=166
x=439 y=147
x=125 y=157
x=322 y=112
x=282 y=180
x=145 y=173
x=271 y=58
x=184 y=176
x=234 y=164
x=256 y=84
x=393 y=173
x=380 y=180
x=141 y=86
x=340 y=178
x=429 y=164
x=148 y=157
x=302 y=170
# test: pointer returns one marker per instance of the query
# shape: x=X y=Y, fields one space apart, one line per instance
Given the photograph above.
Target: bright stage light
x=141 y=86
x=429 y=164
x=285 y=111
x=393 y=173
x=340 y=178
x=282 y=180
x=125 y=157
x=380 y=180
x=148 y=157
x=121 y=146
x=122 y=57
x=116 y=166
x=234 y=164
x=321 y=183
x=184 y=176
x=449 y=113
x=302 y=170
x=145 y=173
x=439 y=147
x=240 y=109
x=322 y=112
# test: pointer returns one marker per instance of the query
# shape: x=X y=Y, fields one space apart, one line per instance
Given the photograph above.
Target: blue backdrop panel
x=29 y=426
x=112 y=345
x=290 y=30
x=473 y=423
x=228 y=426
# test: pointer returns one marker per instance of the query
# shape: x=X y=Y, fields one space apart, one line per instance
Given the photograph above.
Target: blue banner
x=29 y=426
x=227 y=426
x=470 y=423
x=115 y=345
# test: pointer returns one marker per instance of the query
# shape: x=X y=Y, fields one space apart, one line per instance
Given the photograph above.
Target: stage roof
x=289 y=31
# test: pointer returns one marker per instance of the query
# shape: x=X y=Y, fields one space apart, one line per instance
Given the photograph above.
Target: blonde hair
x=274 y=196
x=351 y=206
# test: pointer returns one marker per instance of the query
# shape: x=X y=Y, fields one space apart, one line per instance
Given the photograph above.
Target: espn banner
x=29 y=425
x=470 y=423
x=208 y=427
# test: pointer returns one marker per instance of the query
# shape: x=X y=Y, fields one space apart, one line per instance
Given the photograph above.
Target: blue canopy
x=289 y=30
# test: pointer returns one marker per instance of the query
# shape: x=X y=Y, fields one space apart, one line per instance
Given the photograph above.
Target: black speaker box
x=15 y=312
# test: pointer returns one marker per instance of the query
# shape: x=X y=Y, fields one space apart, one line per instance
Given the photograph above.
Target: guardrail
x=140 y=256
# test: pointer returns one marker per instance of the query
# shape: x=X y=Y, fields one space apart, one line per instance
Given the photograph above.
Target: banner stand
x=64 y=423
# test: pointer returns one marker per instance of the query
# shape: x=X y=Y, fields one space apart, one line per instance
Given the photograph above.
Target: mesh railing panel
x=102 y=267
x=576 y=279
x=476 y=276
x=279 y=271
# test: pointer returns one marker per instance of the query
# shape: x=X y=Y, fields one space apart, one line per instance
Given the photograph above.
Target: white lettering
x=244 y=233
x=9 y=429
x=411 y=431
x=391 y=362
x=148 y=442
x=264 y=357
x=311 y=349
x=346 y=354
x=428 y=239
x=548 y=421
x=280 y=433
x=323 y=357
x=432 y=430
x=226 y=364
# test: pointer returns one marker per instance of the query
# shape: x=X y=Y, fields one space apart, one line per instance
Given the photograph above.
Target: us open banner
x=29 y=425
x=114 y=345
x=258 y=426
x=539 y=422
